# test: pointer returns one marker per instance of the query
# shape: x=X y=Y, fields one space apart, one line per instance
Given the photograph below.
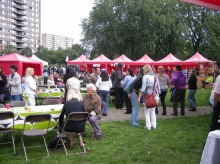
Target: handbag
x=150 y=100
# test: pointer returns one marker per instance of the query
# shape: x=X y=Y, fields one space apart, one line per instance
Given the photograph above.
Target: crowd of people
x=130 y=90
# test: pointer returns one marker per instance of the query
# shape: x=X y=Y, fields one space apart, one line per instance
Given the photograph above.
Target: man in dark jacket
x=178 y=83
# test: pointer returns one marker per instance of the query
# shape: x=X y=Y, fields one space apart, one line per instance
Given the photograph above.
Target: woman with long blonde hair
x=30 y=86
x=164 y=82
x=147 y=88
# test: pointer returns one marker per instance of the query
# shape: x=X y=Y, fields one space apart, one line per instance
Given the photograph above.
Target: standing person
x=113 y=77
x=14 y=84
x=73 y=85
x=133 y=94
x=92 y=104
x=118 y=86
x=3 y=81
x=127 y=81
x=30 y=86
x=95 y=76
x=147 y=88
x=104 y=84
x=164 y=82
x=65 y=78
x=186 y=74
x=179 y=84
x=192 y=86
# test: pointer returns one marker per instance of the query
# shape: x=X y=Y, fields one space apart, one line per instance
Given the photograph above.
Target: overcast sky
x=63 y=17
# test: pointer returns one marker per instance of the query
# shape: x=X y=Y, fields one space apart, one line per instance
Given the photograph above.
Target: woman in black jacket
x=192 y=86
x=72 y=105
x=3 y=81
x=119 y=76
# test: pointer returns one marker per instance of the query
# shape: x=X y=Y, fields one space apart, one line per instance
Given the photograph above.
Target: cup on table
x=7 y=106
x=29 y=109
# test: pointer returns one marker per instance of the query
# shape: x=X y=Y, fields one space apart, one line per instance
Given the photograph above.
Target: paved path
x=118 y=115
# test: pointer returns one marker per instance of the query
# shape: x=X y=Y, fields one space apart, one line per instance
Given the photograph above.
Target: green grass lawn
x=174 y=141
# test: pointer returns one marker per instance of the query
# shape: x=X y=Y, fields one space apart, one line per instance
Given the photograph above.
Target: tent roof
x=144 y=60
x=197 y=58
x=213 y=4
x=102 y=59
x=80 y=60
x=122 y=59
x=17 y=57
x=169 y=59
x=38 y=59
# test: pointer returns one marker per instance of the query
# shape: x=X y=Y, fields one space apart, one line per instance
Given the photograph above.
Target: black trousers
x=128 y=103
x=179 y=96
x=162 y=100
x=119 y=98
x=215 y=125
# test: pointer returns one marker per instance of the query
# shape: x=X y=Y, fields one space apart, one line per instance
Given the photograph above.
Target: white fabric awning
x=38 y=59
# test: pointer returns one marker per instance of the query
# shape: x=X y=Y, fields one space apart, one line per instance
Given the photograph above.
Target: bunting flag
x=67 y=58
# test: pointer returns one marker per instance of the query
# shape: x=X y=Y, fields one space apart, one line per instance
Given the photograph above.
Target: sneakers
x=99 y=137
x=173 y=114
x=193 y=109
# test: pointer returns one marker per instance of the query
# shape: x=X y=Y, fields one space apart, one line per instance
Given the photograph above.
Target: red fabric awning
x=22 y=62
x=197 y=58
x=212 y=4
x=122 y=59
x=168 y=60
x=79 y=61
x=102 y=59
x=143 y=61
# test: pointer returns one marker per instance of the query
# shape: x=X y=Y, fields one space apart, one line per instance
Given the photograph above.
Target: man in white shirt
x=215 y=124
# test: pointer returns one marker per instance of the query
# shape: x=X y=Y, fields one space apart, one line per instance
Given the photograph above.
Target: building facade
x=20 y=24
x=53 y=42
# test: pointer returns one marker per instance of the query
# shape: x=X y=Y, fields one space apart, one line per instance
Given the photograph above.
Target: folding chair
x=6 y=116
x=2 y=106
x=74 y=116
x=51 y=101
x=17 y=103
x=31 y=119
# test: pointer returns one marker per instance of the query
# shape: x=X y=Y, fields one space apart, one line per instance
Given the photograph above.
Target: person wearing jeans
x=104 y=84
x=192 y=86
x=149 y=81
x=133 y=94
x=164 y=82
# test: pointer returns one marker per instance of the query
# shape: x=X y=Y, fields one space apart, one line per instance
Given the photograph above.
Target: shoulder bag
x=150 y=101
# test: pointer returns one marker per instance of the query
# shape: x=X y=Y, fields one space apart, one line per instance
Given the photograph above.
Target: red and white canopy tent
x=123 y=59
x=197 y=59
x=22 y=63
x=81 y=61
x=212 y=4
x=144 y=60
x=102 y=62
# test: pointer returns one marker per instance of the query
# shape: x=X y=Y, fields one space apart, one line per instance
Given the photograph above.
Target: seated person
x=50 y=80
x=92 y=104
x=82 y=76
x=61 y=83
x=72 y=126
x=209 y=79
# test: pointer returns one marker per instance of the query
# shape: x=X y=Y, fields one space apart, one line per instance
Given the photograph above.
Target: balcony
x=18 y=29
x=19 y=35
x=19 y=24
x=19 y=18
x=19 y=12
x=19 y=1
x=21 y=7
x=20 y=47
x=19 y=40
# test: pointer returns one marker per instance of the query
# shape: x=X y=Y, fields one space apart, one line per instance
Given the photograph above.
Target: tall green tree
x=26 y=52
x=9 y=49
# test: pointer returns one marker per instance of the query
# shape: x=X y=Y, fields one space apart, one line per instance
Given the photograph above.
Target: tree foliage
x=156 y=28
x=57 y=57
x=8 y=50
x=26 y=52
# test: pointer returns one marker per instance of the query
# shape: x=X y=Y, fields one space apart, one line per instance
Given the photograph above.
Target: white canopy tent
x=38 y=59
